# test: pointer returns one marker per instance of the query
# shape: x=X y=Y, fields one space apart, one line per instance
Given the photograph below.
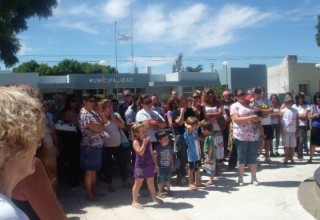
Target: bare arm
x=36 y=188
x=140 y=149
x=237 y=119
x=118 y=120
x=180 y=119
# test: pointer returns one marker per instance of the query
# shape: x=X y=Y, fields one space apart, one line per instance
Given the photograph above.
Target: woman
x=315 y=125
x=34 y=194
x=246 y=135
x=302 y=140
x=212 y=111
x=22 y=127
x=275 y=120
x=91 y=124
x=70 y=141
x=112 y=146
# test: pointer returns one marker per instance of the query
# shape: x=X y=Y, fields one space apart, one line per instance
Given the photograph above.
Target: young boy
x=193 y=151
x=290 y=124
x=209 y=151
x=163 y=163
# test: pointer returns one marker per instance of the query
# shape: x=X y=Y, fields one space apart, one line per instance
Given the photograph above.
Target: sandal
x=161 y=195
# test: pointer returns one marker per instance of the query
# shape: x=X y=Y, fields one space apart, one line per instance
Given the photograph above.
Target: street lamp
x=225 y=64
x=318 y=68
x=103 y=64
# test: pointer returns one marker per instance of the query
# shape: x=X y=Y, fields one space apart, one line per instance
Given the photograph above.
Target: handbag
x=221 y=122
x=124 y=140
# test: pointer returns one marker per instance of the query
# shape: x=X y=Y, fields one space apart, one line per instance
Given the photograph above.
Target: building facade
x=114 y=84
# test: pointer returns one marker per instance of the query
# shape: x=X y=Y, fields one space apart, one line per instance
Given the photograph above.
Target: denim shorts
x=247 y=151
x=90 y=158
x=164 y=175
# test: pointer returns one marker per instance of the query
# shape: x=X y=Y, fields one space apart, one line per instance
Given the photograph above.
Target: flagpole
x=131 y=40
x=115 y=43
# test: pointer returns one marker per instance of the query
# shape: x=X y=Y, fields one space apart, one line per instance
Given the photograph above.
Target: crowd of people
x=86 y=139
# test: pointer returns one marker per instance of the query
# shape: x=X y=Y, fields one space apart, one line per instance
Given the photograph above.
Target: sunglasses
x=147 y=102
x=241 y=94
x=91 y=100
x=127 y=96
x=196 y=97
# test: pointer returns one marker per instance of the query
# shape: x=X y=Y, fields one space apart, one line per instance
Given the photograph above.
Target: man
x=127 y=98
x=174 y=94
x=156 y=105
x=263 y=104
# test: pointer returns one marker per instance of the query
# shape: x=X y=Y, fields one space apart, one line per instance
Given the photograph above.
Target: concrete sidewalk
x=274 y=198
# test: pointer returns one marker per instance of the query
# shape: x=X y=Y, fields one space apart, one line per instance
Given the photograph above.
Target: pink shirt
x=245 y=131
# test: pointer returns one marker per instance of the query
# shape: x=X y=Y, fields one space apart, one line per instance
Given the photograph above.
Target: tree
x=177 y=67
x=318 y=34
x=66 y=66
x=199 y=68
x=27 y=67
x=13 y=20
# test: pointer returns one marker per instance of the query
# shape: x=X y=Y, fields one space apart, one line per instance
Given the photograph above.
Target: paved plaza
x=275 y=198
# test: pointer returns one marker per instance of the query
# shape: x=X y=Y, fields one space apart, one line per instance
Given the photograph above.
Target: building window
x=304 y=88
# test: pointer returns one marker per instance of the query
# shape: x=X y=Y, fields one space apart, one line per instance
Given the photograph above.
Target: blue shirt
x=193 y=142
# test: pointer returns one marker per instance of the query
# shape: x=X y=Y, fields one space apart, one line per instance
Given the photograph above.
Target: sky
x=206 y=32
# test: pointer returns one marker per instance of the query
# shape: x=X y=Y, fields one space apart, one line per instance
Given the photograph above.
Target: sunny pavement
x=274 y=198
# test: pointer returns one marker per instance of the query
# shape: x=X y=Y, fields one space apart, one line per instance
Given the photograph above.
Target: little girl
x=144 y=165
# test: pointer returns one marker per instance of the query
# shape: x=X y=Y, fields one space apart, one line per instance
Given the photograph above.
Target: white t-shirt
x=144 y=115
x=8 y=210
x=289 y=119
x=302 y=110
x=266 y=120
x=211 y=110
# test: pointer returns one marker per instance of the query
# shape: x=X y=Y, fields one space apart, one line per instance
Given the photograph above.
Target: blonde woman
x=21 y=130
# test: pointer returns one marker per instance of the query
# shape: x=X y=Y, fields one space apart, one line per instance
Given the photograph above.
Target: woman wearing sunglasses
x=246 y=135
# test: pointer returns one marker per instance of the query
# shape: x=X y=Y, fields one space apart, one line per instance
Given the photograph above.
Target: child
x=144 y=164
x=290 y=124
x=163 y=162
x=209 y=151
x=193 y=151
x=257 y=111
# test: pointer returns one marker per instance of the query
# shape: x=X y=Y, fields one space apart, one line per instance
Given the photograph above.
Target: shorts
x=195 y=166
x=90 y=158
x=268 y=131
x=164 y=175
x=210 y=169
x=247 y=151
x=315 y=136
x=289 y=139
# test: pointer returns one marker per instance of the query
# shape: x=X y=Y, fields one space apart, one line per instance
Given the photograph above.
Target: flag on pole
x=124 y=37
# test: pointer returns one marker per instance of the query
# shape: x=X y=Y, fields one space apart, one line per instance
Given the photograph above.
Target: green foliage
x=13 y=20
x=177 y=67
x=318 y=33
x=218 y=89
x=29 y=67
x=199 y=68
x=66 y=66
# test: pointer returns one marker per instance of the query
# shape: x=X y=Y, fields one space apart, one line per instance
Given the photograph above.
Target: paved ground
x=274 y=198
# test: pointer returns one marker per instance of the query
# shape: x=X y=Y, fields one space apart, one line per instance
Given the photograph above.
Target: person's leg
x=312 y=150
x=233 y=156
x=135 y=193
x=94 y=182
x=182 y=156
x=88 y=184
x=120 y=155
x=286 y=154
x=252 y=160
x=277 y=136
x=108 y=166
x=150 y=182
x=242 y=158
x=198 y=178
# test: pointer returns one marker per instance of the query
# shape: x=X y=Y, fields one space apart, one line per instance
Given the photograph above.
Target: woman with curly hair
x=212 y=111
x=21 y=130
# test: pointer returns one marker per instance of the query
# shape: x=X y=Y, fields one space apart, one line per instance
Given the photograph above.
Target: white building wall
x=278 y=78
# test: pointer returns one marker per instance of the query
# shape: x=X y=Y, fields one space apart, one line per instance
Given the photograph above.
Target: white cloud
x=197 y=26
x=79 y=26
x=117 y=9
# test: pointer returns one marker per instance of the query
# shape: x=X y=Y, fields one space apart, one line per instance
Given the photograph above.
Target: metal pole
x=131 y=39
x=227 y=76
x=115 y=43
